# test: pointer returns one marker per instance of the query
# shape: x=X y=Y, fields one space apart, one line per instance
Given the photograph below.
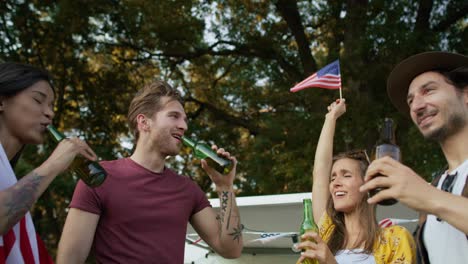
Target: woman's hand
x=63 y=155
x=315 y=248
x=337 y=108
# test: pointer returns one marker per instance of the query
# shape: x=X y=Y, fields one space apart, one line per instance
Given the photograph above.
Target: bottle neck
x=388 y=135
x=308 y=211
x=188 y=142
x=57 y=135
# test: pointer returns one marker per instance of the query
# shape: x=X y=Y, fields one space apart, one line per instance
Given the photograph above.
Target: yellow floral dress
x=395 y=244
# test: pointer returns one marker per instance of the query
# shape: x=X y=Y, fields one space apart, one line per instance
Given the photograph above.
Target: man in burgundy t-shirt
x=135 y=203
x=140 y=213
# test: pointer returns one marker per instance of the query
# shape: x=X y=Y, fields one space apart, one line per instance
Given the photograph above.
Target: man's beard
x=454 y=123
x=171 y=152
x=168 y=150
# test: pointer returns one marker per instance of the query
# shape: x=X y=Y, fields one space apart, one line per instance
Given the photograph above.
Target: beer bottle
x=87 y=170
x=203 y=151
x=386 y=146
x=308 y=224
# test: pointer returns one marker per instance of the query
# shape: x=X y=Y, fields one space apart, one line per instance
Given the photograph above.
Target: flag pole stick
x=341 y=78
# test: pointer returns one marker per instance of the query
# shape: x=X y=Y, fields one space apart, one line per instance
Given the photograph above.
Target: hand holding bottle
x=64 y=154
x=203 y=151
x=315 y=250
x=386 y=147
x=400 y=182
x=221 y=181
x=307 y=226
x=83 y=166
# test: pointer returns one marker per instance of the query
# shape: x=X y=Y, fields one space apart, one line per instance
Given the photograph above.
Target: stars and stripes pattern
x=20 y=244
x=328 y=77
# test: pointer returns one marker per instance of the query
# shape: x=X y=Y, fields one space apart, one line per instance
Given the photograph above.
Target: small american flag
x=328 y=77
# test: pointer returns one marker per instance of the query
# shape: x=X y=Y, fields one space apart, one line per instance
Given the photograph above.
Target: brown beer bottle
x=87 y=170
x=386 y=146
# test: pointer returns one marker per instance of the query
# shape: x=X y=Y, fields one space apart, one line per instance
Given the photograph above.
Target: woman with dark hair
x=348 y=229
x=26 y=108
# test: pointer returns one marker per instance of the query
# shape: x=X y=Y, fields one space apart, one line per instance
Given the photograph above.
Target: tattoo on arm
x=224 y=204
x=23 y=195
x=230 y=213
x=237 y=233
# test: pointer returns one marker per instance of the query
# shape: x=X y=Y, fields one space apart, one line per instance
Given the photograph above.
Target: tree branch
x=289 y=12
x=424 y=14
x=223 y=115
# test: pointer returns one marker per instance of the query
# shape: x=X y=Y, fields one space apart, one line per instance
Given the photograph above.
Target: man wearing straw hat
x=432 y=88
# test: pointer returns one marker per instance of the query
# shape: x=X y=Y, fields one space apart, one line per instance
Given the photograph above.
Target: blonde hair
x=147 y=101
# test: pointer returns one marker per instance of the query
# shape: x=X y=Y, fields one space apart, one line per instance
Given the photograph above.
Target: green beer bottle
x=203 y=151
x=386 y=146
x=87 y=170
x=308 y=224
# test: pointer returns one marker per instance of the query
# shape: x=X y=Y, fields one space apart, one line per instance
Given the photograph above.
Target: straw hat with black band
x=403 y=74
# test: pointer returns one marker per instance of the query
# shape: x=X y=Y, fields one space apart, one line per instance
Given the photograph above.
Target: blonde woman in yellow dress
x=348 y=229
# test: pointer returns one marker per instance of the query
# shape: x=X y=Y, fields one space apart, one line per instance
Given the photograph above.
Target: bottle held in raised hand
x=386 y=146
x=203 y=151
x=308 y=224
x=90 y=172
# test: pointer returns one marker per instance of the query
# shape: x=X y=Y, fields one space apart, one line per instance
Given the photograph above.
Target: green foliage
x=234 y=61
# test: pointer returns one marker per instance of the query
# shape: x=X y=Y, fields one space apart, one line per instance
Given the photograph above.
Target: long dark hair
x=367 y=213
x=16 y=77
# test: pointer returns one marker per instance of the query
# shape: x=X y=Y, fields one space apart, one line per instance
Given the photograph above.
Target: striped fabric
x=21 y=243
x=328 y=77
x=386 y=222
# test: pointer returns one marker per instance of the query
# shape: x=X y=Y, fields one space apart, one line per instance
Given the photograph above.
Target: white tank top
x=347 y=256
x=444 y=243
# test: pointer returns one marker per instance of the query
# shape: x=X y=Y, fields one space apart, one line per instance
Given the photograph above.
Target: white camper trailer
x=270 y=221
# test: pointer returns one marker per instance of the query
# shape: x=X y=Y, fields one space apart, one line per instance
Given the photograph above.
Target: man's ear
x=142 y=122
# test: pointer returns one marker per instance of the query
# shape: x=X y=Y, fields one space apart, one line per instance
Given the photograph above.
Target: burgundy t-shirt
x=143 y=214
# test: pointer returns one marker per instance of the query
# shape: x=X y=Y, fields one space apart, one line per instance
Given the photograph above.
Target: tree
x=234 y=61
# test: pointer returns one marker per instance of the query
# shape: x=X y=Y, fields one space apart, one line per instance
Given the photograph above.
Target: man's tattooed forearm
x=237 y=233
x=22 y=197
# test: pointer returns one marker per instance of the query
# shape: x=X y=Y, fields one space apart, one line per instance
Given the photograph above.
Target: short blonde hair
x=147 y=101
